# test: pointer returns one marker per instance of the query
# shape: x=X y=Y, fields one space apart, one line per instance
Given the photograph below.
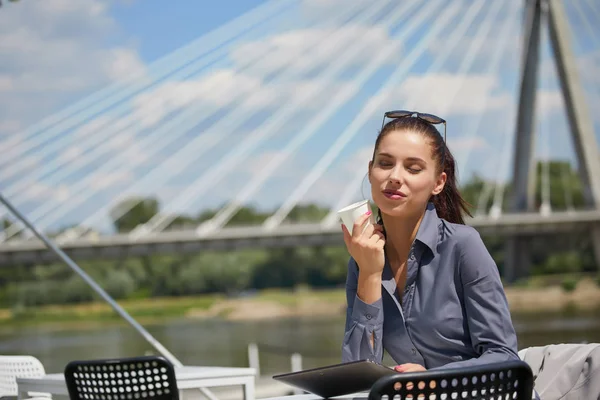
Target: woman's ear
x=439 y=184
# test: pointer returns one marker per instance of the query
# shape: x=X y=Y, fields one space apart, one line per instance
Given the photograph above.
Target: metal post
x=253 y=359
x=580 y=122
x=145 y=334
x=524 y=161
x=524 y=170
x=296 y=360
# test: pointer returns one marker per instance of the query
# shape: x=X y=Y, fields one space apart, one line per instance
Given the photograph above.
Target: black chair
x=136 y=378
x=505 y=380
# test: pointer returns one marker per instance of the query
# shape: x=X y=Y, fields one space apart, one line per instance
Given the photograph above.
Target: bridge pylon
x=550 y=13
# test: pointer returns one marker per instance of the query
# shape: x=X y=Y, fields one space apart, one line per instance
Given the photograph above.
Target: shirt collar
x=429 y=228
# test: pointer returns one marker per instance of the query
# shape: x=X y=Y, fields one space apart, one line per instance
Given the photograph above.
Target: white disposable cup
x=351 y=213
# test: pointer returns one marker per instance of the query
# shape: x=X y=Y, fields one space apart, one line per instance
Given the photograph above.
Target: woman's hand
x=409 y=368
x=413 y=368
x=366 y=245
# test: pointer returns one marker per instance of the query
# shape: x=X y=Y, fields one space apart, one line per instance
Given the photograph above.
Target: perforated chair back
x=500 y=381
x=13 y=367
x=137 y=378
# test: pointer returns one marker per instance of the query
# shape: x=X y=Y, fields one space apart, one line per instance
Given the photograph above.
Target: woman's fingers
x=359 y=224
x=409 y=367
x=377 y=239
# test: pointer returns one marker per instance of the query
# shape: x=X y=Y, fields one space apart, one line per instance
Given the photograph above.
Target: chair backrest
x=506 y=380
x=136 y=378
x=13 y=367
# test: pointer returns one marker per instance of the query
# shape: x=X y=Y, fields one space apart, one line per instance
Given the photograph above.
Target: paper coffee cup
x=351 y=213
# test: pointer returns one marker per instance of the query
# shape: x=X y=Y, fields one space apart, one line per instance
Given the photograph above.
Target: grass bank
x=530 y=298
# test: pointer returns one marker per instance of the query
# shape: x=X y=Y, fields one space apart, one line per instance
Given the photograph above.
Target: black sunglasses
x=432 y=119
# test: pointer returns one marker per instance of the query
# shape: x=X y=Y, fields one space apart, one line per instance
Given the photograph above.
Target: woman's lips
x=394 y=194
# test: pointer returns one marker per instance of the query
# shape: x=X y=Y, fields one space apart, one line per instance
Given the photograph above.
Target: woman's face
x=403 y=174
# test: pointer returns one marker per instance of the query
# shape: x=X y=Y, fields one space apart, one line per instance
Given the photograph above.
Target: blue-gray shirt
x=453 y=311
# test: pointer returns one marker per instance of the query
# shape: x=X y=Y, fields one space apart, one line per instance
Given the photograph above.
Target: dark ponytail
x=449 y=203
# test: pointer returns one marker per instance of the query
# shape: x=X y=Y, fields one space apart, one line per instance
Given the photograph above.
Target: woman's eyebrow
x=415 y=159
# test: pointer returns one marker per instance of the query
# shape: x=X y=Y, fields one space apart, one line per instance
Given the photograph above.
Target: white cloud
x=6 y=83
x=222 y=87
x=71 y=154
x=91 y=127
x=589 y=65
x=358 y=160
x=256 y=164
x=549 y=102
x=28 y=162
x=448 y=94
x=463 y=143
x=101 y=181
x=303 y=49
x=37 y=191
x=53 y=52
x=8 y=126
x=483 y=50
x=123 y=64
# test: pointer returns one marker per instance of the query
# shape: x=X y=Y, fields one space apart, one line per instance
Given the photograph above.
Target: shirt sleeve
x=362 y=321
x=488 y=317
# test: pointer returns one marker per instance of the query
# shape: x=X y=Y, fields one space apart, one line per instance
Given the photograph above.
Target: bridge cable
x=100 y=145
x=546 y=206
x=595 y=36
x=364 y=115
x=43 y=132
x=210 y=138
x=100 y=139
x=592 y=6
x=276 y=122
x=566 y=178
x=164 y=138
x=227 y=212
x=454 y=40
x=499 y=185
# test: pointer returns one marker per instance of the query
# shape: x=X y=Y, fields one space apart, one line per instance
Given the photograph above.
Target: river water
x=224 y=343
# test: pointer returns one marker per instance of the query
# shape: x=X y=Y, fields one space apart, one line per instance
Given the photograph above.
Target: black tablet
x=338 y=379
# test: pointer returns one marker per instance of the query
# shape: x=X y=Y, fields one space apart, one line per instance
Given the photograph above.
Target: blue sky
x=159 y=28
x=155 y=141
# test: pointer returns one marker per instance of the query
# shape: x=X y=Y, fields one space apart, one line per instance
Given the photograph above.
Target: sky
x=192 y=103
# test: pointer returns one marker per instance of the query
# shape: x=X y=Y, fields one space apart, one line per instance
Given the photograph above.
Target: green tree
x=247 y=215
x=206 y=215
x=132 y=212
x=565 y=185
x=307 y=213
x=181 y=222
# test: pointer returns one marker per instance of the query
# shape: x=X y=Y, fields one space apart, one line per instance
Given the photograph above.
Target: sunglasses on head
x=432 y=119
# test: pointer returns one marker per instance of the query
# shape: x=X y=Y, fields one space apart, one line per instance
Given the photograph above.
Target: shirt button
x=412 y=256
x=414 y=352
x=368 y=316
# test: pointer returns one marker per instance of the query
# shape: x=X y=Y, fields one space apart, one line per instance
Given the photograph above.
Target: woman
x=421 y=284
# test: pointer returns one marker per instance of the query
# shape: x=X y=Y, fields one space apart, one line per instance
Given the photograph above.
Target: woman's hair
x=449 y=203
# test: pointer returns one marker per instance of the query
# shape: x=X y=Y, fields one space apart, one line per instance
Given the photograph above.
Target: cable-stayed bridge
x=280 y=108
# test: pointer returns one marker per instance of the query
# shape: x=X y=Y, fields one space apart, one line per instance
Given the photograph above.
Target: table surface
x=181 y=374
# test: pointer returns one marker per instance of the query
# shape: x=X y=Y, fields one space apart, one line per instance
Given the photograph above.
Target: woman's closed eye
x=414 y=169
x=385 y=163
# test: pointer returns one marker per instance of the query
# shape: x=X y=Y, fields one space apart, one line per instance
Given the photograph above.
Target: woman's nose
x=395 y=176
